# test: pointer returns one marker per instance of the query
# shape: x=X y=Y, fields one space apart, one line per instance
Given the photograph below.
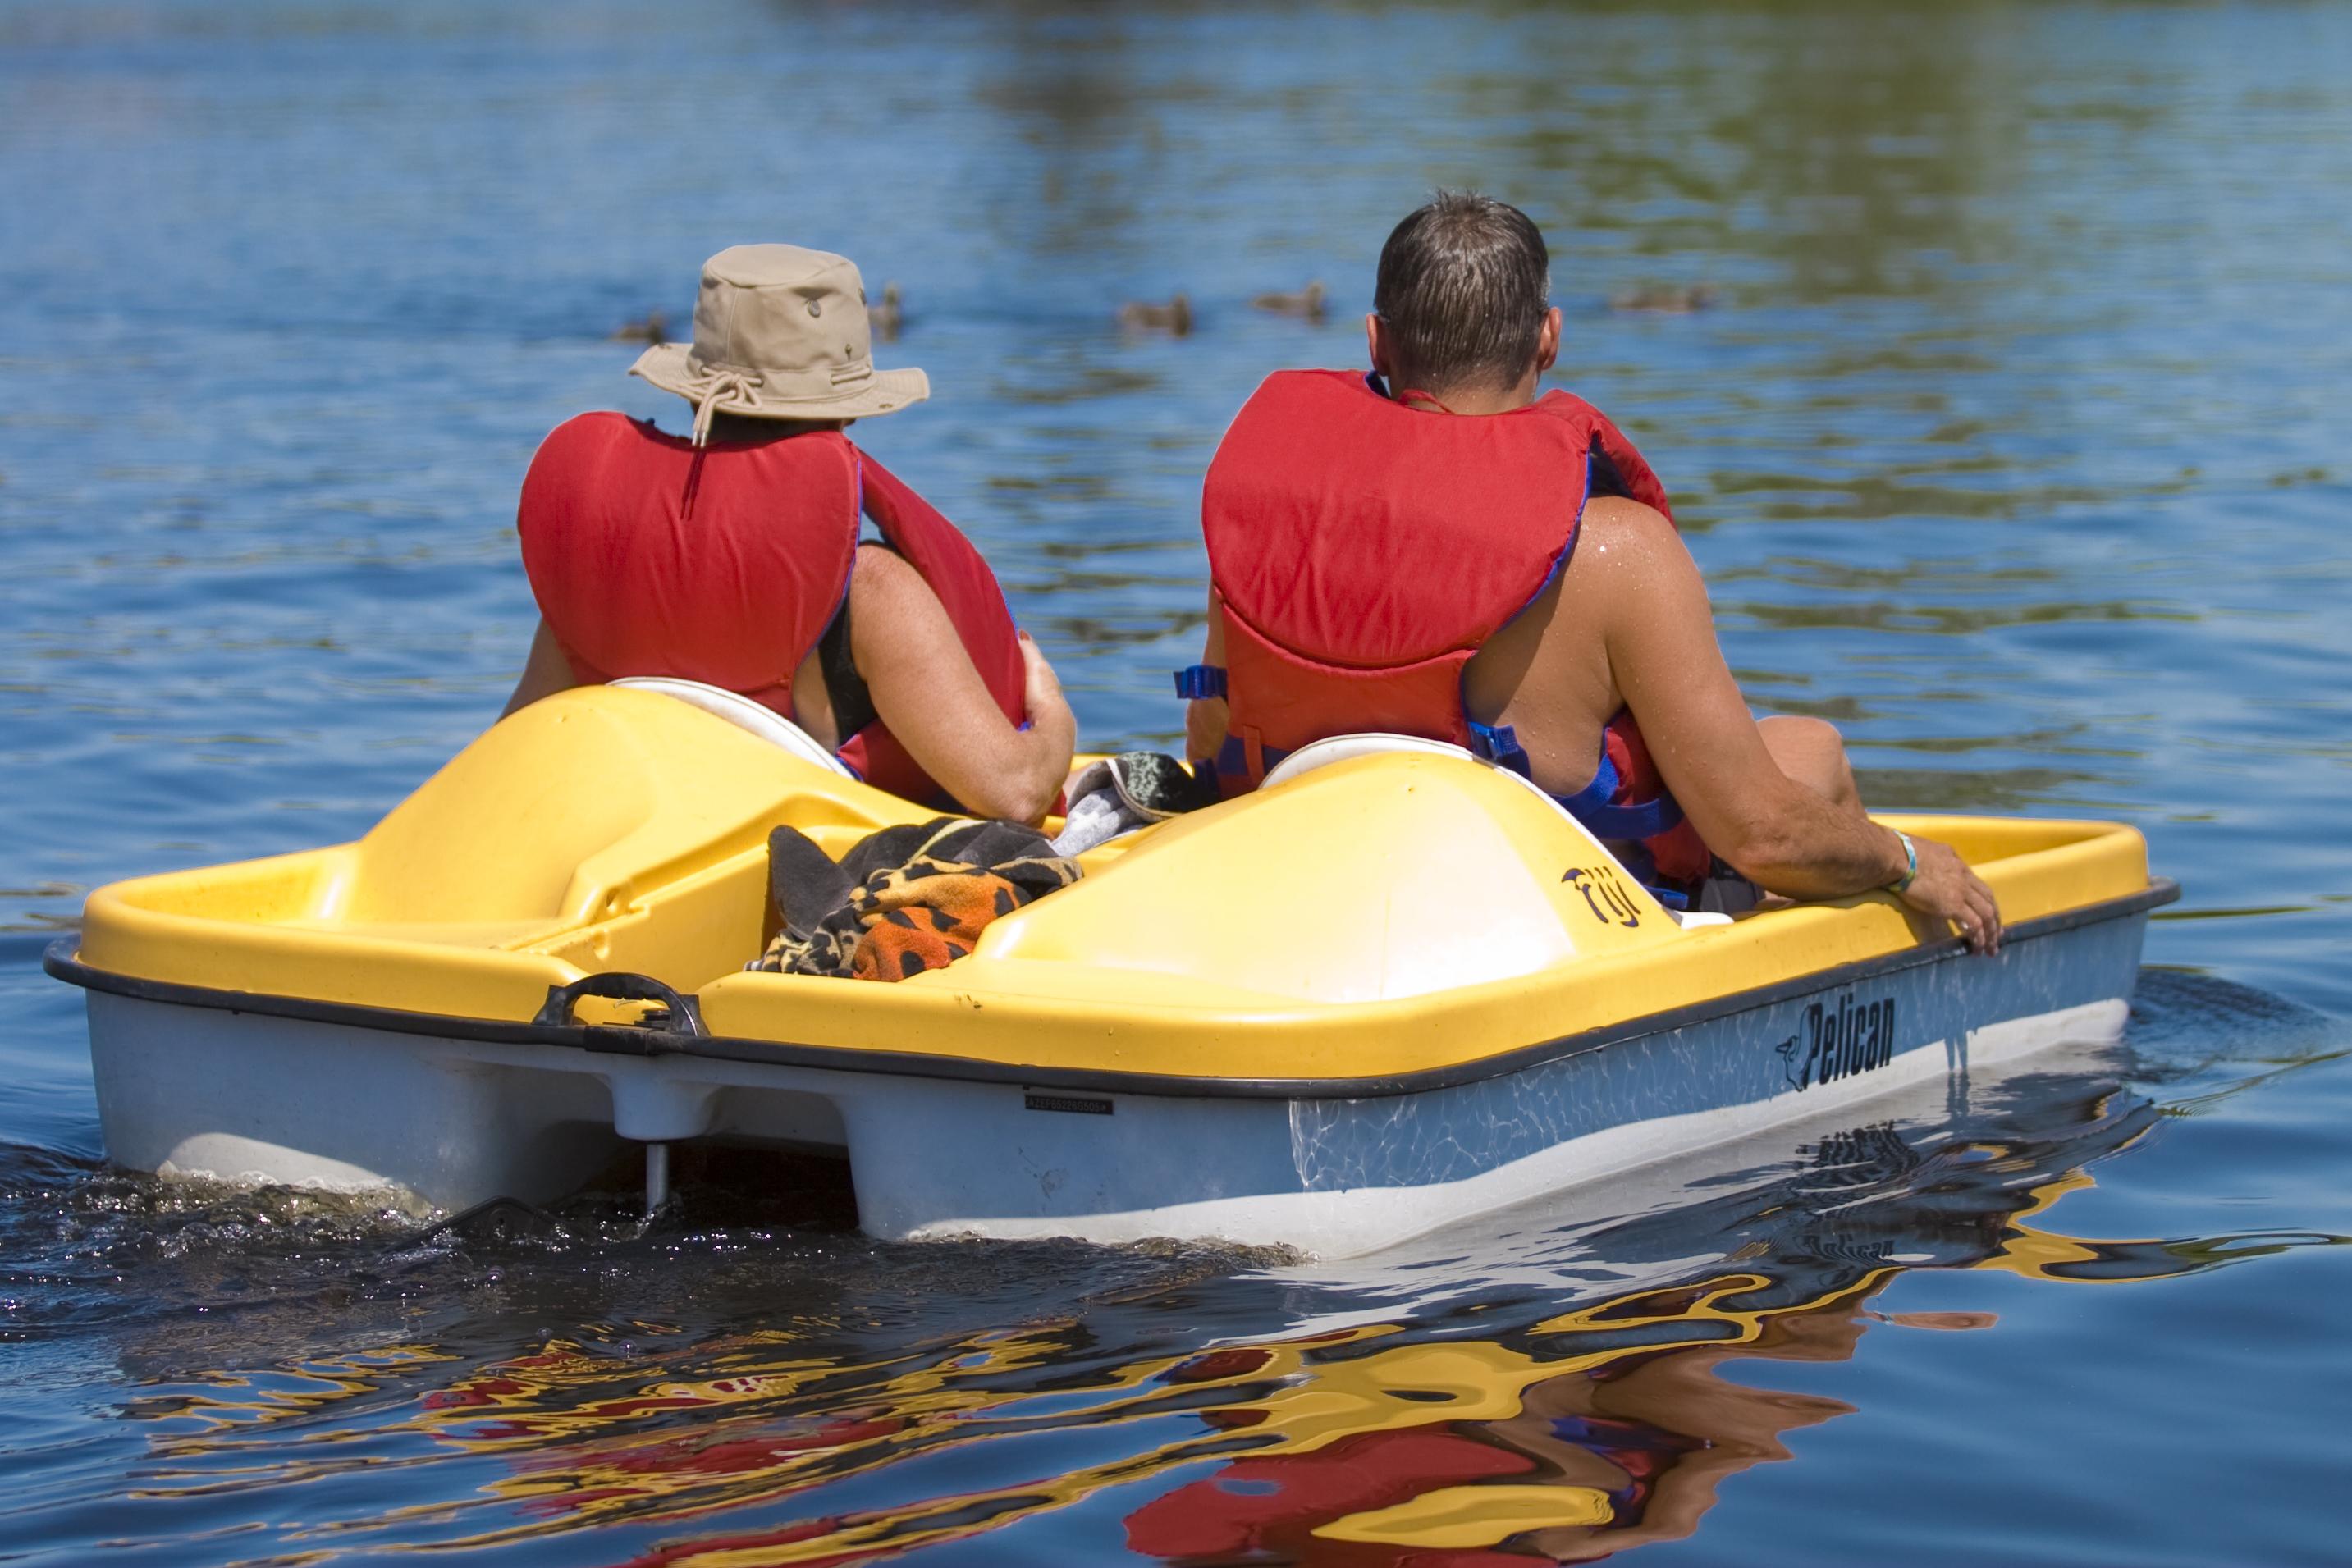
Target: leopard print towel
x=904 y=900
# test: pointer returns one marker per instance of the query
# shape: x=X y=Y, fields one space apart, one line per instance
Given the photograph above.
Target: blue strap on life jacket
x=1636 y=859
x=1233 y=758
x=1498 y=743
x=1592 y=805
x=1194 y=682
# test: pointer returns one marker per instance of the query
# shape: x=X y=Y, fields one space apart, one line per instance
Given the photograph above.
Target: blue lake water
x=2012 y=442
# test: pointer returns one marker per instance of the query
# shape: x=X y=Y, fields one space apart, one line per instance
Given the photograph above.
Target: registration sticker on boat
x=1078 y=1104
x=1838 y=1039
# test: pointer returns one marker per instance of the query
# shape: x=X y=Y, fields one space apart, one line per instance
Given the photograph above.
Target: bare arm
x=1790 y=839
x=926 y=688
x=544 y=672
x=1206 y=719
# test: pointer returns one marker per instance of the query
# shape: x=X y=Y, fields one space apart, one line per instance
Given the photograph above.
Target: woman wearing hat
x=731 y=556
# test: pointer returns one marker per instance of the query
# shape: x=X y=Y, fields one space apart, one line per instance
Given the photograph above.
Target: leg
x=1811 y=752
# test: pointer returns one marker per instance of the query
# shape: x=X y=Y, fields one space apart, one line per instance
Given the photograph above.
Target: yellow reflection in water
x=1471 y=1516
x=1574 y=1436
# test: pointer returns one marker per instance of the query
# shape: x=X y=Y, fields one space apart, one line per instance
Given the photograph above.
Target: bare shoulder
x=1627 y=553
x=1628 y=535
x=882 y=579
x=896 y=625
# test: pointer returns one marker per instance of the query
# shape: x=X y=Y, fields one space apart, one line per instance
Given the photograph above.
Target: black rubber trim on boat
x=62 y=963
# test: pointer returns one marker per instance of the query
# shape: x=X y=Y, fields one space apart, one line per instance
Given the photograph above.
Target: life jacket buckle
x=1498 y=743
x=1196 y=681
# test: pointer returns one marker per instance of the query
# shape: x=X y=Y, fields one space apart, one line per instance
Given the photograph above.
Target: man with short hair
x=1435 y=549
x=731 y=556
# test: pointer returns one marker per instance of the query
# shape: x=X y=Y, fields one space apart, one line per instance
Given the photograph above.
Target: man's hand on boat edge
x=1946 y=889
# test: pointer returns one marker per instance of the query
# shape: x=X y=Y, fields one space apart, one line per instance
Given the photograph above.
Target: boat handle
x=619 y=985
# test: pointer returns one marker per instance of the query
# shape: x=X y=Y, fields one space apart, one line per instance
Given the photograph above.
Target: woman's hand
x=1946 y=889
x=1041 y=693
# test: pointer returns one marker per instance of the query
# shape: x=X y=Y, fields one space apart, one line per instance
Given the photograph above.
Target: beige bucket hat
x=780 y=332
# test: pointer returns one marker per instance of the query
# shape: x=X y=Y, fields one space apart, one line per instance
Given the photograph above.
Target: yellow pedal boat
x=1395 y=988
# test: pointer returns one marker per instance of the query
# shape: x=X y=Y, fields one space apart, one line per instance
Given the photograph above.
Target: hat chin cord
x=710 y=389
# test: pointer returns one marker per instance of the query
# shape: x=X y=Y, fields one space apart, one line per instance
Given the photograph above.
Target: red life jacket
x=1364 y=551
x=726 y=564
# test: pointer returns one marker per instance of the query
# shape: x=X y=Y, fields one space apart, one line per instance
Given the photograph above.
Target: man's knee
x=1811 y=752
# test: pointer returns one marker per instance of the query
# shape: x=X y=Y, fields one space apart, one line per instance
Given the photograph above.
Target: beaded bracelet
x=1902 y=884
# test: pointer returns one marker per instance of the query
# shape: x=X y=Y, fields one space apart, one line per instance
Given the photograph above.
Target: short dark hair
x=1463 y=285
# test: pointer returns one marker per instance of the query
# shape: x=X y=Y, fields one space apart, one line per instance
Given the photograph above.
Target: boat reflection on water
x=1496 y=1429
x=1550 y=1389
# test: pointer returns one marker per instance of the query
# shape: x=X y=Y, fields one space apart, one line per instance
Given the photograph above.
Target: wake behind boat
x=1396 y=986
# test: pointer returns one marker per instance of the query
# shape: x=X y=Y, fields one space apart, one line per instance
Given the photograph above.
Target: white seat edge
x=1371 y=742
x=744 y=715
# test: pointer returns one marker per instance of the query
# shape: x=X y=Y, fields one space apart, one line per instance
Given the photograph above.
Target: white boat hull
x=204 y=1089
